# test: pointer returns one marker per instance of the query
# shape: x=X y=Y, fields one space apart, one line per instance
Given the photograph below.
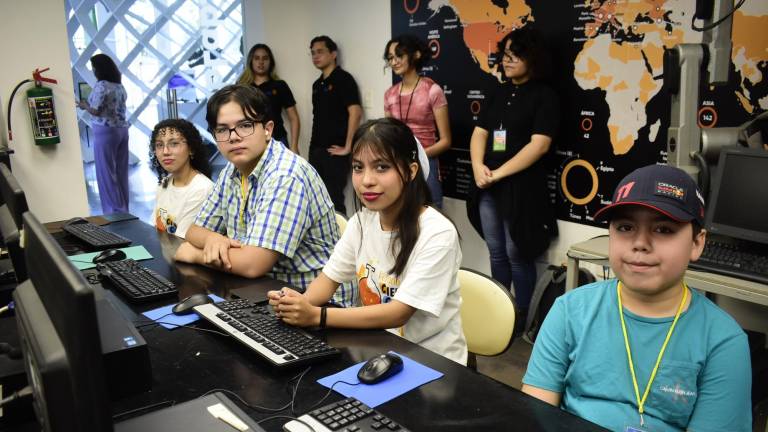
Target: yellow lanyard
x=244 y=193
x=641 y=402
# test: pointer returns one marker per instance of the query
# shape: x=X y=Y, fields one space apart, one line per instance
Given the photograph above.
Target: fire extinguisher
x=45 y=127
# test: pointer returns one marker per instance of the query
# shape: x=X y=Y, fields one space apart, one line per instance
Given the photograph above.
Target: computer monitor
x=738 y=204
x=59 y=338
x=12 y=194
x=13 y=205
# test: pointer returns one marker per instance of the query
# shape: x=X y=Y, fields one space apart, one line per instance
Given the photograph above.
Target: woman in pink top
x=418 y=102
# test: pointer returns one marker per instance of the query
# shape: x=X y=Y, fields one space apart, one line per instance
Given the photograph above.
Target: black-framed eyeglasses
x=509 y=57
x=243 y=129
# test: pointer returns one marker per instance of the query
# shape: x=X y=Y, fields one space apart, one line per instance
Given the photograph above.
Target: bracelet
x=323 y=316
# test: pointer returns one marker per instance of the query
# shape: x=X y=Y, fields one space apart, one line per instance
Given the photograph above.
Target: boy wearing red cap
x=643 y=352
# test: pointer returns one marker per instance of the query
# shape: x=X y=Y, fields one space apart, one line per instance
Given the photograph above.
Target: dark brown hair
x=198 y=155
x=393 y=140
x=253 y=102
x=525 y=43
x=409 y=45
x=104 y=69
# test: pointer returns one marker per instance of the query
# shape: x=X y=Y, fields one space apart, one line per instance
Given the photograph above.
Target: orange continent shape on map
x=485 y=25
x=749 y=33
x=471 y=11
x=750 y=47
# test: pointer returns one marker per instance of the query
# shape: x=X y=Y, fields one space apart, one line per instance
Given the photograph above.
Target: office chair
x=342 y=221
x=488 y=314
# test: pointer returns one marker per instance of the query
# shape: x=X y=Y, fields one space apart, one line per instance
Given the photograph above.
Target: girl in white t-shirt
x=403 y=254
x=178 y=156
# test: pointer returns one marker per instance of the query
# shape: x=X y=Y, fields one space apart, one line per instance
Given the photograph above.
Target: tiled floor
x=142 y=183
x=508 y=367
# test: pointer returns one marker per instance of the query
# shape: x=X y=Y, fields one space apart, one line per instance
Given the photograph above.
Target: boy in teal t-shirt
x=643 y=352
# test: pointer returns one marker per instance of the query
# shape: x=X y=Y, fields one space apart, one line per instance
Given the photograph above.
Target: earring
x=191 y=156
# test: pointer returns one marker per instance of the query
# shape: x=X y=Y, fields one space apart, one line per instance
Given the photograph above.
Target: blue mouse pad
x=169 y=320
x=413 y=375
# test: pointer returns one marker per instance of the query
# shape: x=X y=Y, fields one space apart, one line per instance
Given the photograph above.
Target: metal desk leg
x=572 y=274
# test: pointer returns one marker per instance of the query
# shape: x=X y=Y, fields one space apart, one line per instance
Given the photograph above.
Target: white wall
x=51 y=176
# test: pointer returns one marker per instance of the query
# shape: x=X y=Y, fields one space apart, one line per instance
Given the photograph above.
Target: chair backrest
x=342 y=221
x=487 y=313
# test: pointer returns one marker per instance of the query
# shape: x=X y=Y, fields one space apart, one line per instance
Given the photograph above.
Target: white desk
x=596 y=251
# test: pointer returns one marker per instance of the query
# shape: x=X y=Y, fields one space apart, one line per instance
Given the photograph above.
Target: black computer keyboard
x=738 y=259
x=347 y=415
x=95 y=236
x=260 y=330
x=135 y=281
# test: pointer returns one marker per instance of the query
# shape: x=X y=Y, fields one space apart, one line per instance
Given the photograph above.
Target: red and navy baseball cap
x=668 y=190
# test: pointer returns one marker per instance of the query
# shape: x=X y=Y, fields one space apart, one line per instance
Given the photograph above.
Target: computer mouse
x=186 y=306
x=109 y=255
x=380 y=368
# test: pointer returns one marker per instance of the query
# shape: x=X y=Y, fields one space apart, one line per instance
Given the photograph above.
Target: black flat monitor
x=13 y=205
x=738 y=204
x=12 y=195
x=59 y=338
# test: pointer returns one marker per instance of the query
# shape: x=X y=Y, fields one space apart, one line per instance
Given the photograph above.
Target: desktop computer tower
x=126 y=355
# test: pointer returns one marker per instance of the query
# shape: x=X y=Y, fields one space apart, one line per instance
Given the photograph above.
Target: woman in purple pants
x=110 y=128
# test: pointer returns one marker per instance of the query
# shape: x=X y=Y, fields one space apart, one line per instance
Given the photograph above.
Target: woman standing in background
x=260 y=73
x=510 y=205
x=420 y=103
x=110 y=129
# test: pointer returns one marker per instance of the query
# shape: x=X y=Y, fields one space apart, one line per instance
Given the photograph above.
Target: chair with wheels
x=488 y=314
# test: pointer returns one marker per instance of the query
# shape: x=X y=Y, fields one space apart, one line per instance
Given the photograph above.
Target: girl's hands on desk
x=294 y=308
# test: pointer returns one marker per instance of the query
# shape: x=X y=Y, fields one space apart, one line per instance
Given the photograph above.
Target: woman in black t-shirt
x=510 y=207
x=259 y=71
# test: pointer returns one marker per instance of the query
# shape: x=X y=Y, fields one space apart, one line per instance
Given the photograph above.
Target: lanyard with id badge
x=499 y=143
x=499 y=139
x=641 y=400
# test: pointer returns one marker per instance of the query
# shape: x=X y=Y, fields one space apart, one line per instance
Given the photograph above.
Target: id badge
x=500 y=140
x=634 y=429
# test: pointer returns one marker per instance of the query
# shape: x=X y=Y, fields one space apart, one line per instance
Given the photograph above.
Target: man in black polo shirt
x=336 y=110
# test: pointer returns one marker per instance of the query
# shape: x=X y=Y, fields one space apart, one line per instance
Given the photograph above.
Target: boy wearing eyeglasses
x=269 y=213
x=643 y=352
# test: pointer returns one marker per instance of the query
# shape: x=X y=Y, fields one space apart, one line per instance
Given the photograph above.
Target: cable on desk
x=322 y=399
x=10 y=306
x=296 y=390
x=193 y=328
x=262 y=408
x=146 y=322
x=25 y=392
x=253 y=407
x=169 y=403
x=286 y=417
